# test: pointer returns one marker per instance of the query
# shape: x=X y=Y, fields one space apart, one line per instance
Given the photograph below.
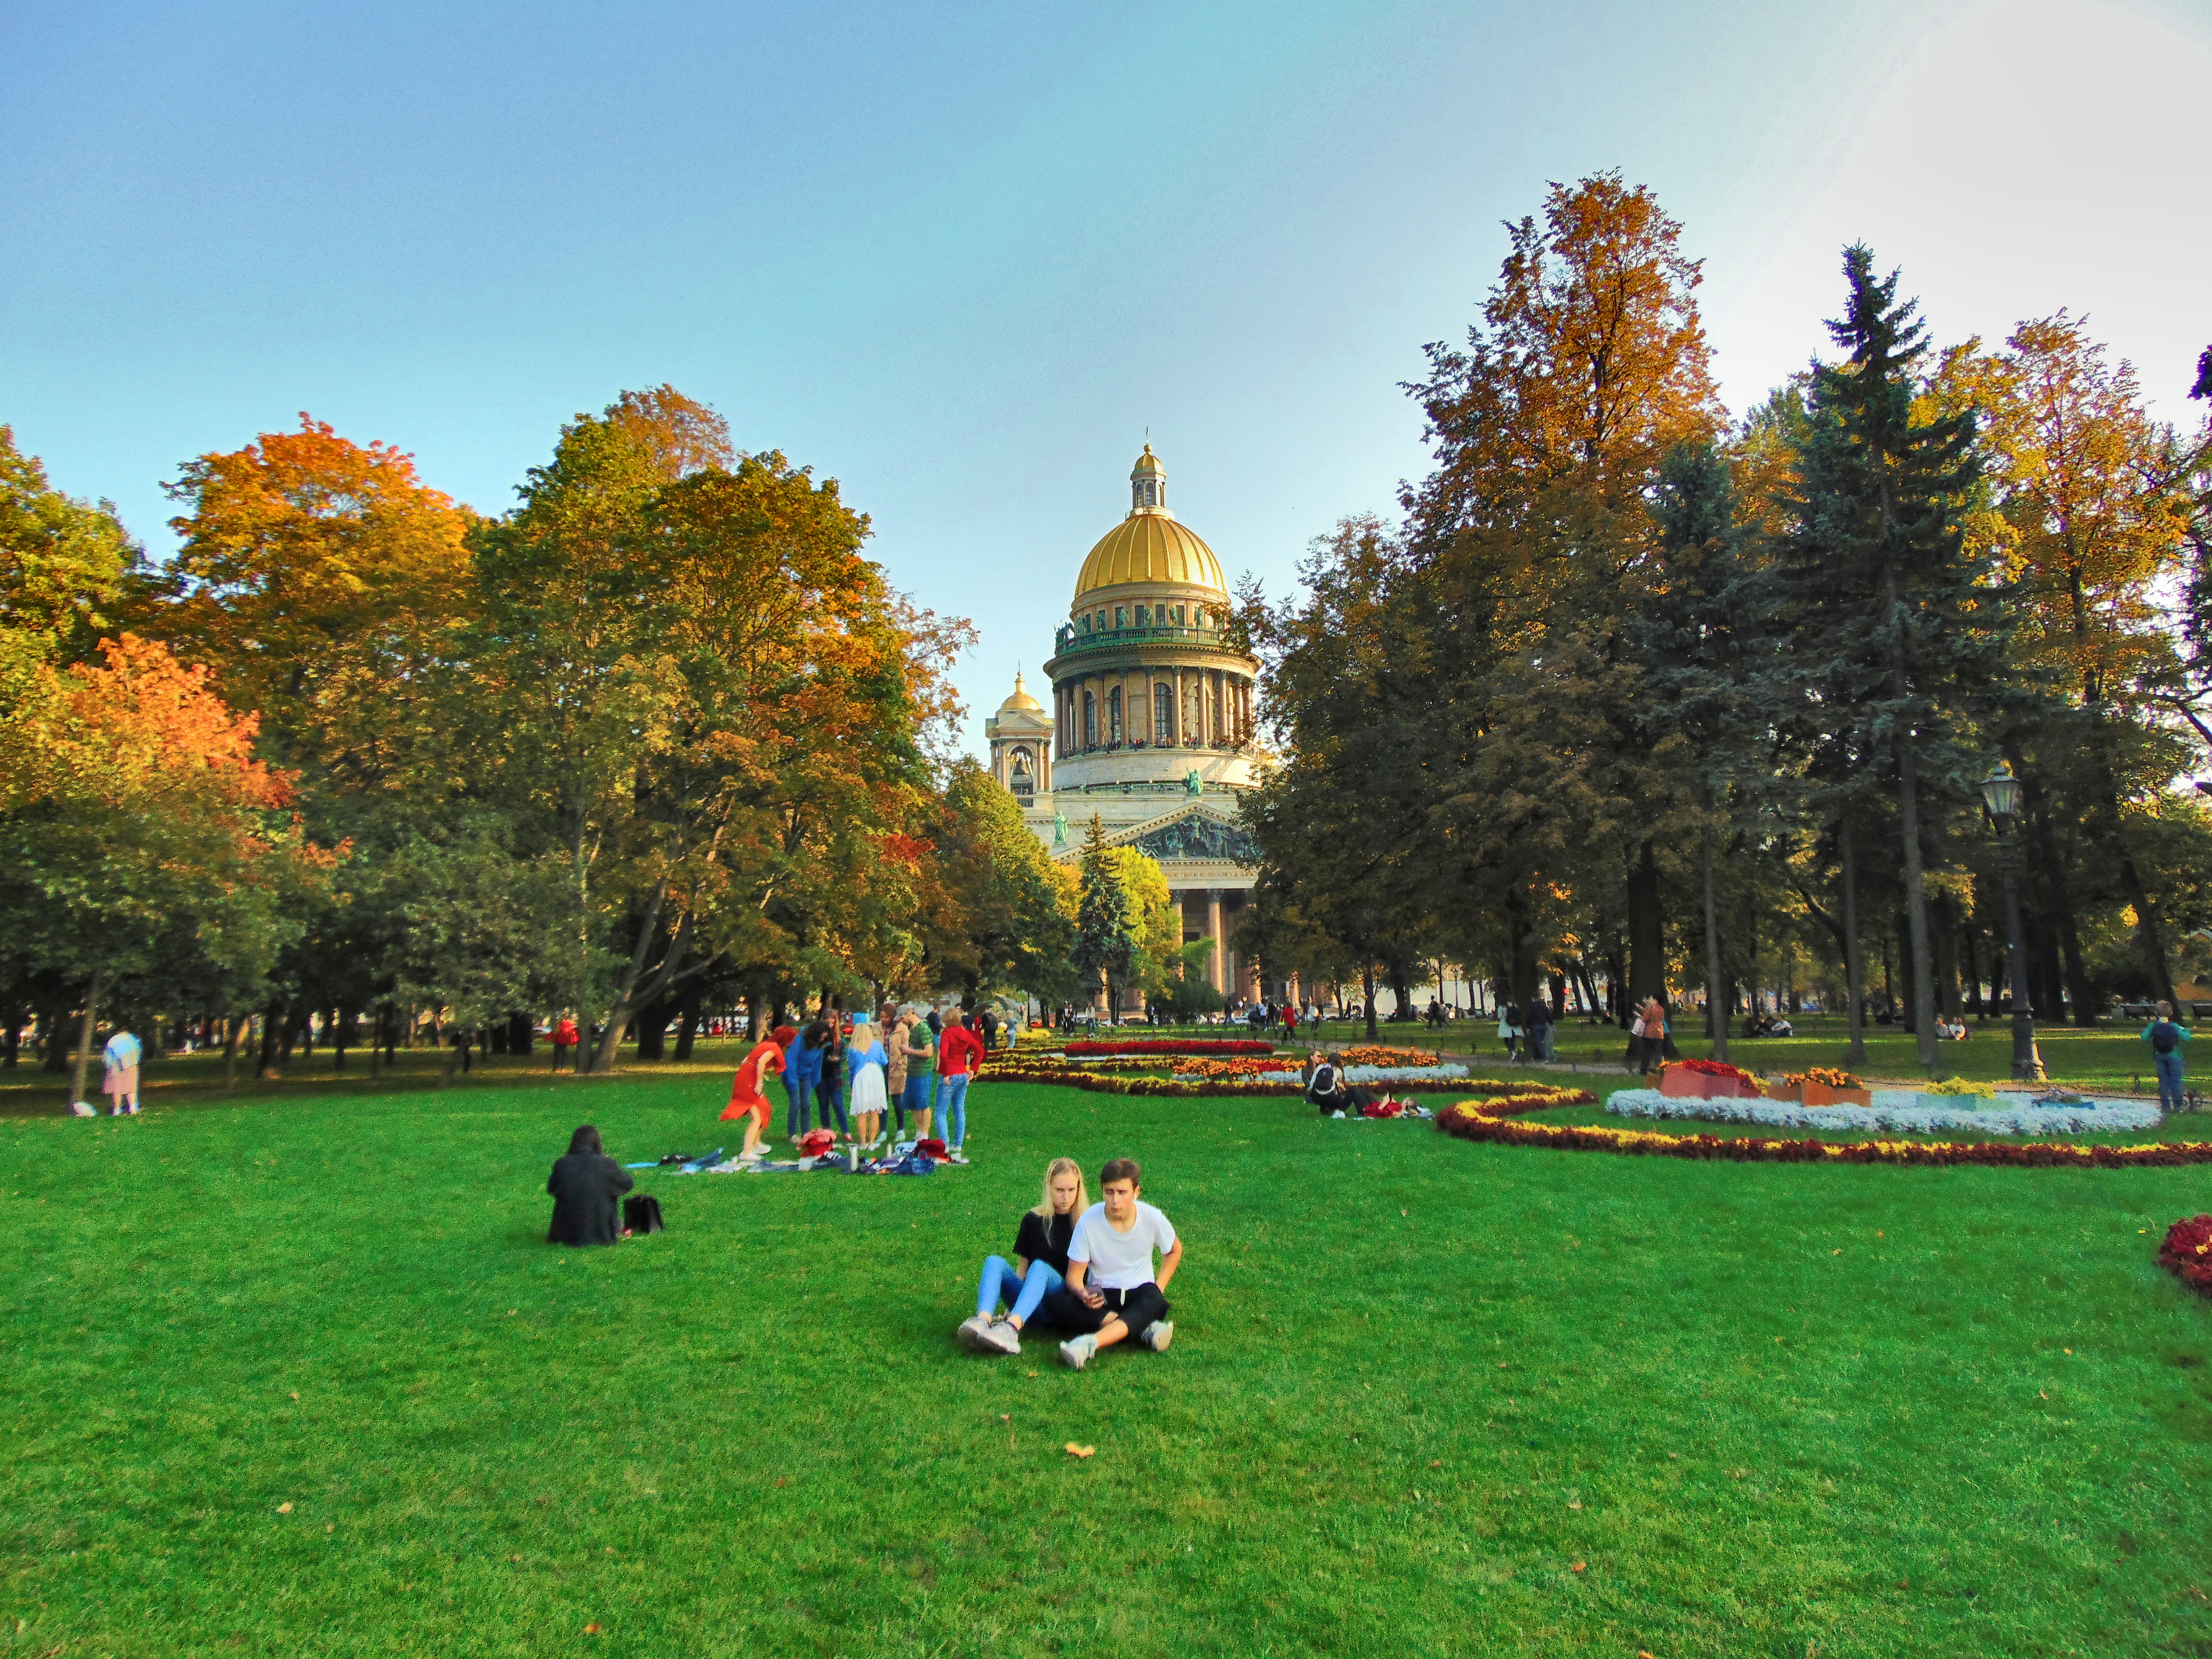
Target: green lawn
x=1772 y=1410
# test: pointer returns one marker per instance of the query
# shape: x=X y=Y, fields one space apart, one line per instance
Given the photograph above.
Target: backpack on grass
x=641 y=1214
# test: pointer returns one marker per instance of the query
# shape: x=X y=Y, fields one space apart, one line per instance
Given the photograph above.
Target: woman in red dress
x=746 y=1099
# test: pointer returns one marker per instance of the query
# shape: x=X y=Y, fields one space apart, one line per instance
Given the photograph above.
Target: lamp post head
x=2001 y=791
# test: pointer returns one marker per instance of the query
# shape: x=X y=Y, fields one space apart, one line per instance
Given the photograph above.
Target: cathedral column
x=1217 y=968
x=1176 y=729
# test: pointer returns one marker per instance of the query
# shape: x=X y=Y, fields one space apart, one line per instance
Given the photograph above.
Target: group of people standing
x=908 y=1063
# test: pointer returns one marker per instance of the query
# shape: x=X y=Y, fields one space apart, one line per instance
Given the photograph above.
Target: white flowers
x=1898 y=1109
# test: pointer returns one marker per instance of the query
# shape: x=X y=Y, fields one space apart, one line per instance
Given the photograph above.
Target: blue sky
x=962 y=259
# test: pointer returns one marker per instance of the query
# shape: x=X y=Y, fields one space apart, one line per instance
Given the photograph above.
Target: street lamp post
x=2002 y=791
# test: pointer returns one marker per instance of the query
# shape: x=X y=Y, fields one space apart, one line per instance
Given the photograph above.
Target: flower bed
x=1486 y=1120
x=1023 y=1069
x=1376 y=1053
x=2186 y=1252
x=1424 y=1074
x=1173 y=1046
x=1272 y=1065
x=1899 y=1109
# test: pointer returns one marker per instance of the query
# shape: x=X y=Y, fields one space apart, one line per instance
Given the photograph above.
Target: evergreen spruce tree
x=1894 y=630
x=1105 y=932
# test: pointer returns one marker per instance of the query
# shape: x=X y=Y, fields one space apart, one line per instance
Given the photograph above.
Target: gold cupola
x=1150 y=545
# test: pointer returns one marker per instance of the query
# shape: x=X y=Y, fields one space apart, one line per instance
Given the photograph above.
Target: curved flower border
x=1486 y=1120
x=2186 y=1252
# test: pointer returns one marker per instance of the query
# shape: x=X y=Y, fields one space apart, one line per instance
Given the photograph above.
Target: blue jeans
x=2169 y=1080
x=801 y=1093
x=952 y=1109
x=829 y=1094
x=1024 y=1291
x=915 y=1096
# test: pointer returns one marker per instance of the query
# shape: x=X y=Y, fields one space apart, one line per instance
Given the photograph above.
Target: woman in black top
x=1040 y=1262
x=584 y=1186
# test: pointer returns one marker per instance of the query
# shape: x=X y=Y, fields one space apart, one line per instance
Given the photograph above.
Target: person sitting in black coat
x=1327 y=1090
x=584 y=1186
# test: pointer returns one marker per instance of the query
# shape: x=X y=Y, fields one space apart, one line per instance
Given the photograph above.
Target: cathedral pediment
x=1194 y=834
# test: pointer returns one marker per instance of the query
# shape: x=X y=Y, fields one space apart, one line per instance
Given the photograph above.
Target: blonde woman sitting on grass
x=1040 y=1263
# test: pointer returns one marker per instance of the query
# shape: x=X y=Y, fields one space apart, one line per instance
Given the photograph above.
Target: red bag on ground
x=932 y=1147
x=815 y=1142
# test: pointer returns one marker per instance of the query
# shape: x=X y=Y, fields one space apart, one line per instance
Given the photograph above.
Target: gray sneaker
x=974 y=1334
x=1003 y=1338
x=1158 y=1334
x=1077 y=1352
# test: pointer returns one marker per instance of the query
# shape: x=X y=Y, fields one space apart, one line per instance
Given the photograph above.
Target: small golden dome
x=1151 y=547
x=1021 y=702
x=1146 y=462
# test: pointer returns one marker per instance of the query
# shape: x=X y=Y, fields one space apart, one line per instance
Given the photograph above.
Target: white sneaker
x=974 y=1334
x=1004 y=1337
x=1158 y=1334
x=1077 y=1352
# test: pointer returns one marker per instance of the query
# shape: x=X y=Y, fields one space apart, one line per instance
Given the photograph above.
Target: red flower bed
x=1174 y=1046
x=1713 y=1068
x=1479 y=1120
x=2187 y=1252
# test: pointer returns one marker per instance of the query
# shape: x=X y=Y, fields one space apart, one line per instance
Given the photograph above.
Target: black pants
x=1136 y=1309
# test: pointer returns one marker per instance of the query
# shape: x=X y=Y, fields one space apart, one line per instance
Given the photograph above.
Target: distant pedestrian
x=1651 y=1033
x=1509 y=1029
x=1539 y=1029
x=958 y=1053
x=2166 y=1035
x=120 y=1074
x=565 y=1039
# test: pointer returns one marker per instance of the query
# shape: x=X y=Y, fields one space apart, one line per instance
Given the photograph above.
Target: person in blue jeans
x=2166 y=1036
x=1040 y=1263
x=802 y=1075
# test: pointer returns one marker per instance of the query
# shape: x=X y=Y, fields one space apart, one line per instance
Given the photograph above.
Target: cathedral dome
x=1021 y=702
x=1149 y=545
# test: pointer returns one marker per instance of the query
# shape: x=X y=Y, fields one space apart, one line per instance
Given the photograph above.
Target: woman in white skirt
x=864 y=1072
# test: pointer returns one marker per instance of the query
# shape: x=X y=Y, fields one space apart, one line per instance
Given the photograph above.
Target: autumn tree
x=132 y=812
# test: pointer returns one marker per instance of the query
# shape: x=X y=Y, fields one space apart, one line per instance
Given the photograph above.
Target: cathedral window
x=1113 y=715
x=1164 y=715
x=1089 y=720
x=1143 y=618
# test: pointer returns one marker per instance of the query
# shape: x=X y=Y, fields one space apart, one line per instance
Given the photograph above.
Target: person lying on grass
x=1111 y=1290
x=584 y=1187
x=1040 y=1263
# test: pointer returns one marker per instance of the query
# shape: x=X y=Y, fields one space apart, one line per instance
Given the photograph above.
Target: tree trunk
x=1716 y=1010
x=1854 y=978
x=1367 y=984
x=274 y=1022
x=689 y=1030
x=233 y=1027
x=84 y=1036
x=14 y=1036
x=1647 y=942
x=1916 y=899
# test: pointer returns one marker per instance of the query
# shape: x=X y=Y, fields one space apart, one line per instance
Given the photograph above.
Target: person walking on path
x=1650 y=1032
x=2166 y=1035
x=1509 y=1029
x=1539 y=1029
x=118 y=1063
x=564 y=1040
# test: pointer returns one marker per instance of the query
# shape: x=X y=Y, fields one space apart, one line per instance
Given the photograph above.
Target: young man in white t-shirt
x=1111 y=1290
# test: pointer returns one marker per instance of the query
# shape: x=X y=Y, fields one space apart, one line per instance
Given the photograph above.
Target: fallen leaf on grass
x=1835 y=1253
x=296 y=1393
x=1900 y=1583
x=1501 y=1365
x=1436 y=1463
x=1577 y=1505
x=283 y=1508
x=1006 y=1417
x=1074 y=1450
x=592 y=1630
x=1577 y=1567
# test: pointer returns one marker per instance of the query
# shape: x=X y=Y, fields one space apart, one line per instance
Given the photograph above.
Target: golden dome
x=1021 y=702
x=1146 y=462
x=1149 y=546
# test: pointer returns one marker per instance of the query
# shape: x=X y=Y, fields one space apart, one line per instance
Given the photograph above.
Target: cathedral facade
x=1151 y=725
